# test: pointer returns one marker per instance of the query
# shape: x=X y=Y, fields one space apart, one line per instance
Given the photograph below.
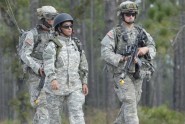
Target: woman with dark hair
x=66 y=70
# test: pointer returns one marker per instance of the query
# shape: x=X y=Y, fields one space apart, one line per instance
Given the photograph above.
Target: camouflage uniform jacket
x=112 y=55
x=67 y=66
x=33 y=50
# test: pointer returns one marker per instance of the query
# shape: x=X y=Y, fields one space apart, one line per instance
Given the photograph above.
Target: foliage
x=22 y=106
x=9 y=34
x=95 y=116
x=9 y=122
x=160 y=23
x=160 y=115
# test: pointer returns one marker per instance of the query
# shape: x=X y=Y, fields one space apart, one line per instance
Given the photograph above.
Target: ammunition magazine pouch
x=37 y=55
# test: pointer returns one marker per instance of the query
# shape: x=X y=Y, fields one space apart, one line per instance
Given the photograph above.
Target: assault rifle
x=41 y=83
x=131 y=52
x=39 y=88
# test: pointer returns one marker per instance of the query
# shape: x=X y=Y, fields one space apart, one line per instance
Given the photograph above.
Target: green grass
x=9 y=122
x=160 y=115
x=157 y=115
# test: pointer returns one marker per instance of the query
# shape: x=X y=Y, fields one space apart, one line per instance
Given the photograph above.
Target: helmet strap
x=122 y=18
x=43 y=27
x=129 y=23
x=45 y=23
x=59 y=29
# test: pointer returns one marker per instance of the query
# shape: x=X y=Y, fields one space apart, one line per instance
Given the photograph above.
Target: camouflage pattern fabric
x=34 y=63
x=74 y=100
x=41 y=114
x=70 y=69
x=129 y=92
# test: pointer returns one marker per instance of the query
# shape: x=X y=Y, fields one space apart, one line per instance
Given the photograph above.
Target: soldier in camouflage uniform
x=113 y=48
x=66 y=70
x=33 y=46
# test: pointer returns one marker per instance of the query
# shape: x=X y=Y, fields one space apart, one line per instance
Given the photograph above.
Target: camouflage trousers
x=41 y=113
x=74 y=100
x=129 y=94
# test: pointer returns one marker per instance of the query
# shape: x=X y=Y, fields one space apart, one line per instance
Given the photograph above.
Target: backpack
x=19 y=46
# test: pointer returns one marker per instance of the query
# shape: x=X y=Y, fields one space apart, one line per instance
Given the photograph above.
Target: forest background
x=163 y=97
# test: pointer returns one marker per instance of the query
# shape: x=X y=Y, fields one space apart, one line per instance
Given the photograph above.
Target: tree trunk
x=7 y=79
x=179 y=67
x=91 y=60
x=34 y=4
x=6 y=88
x=21 y=83
x=110 y=99
x=179 y=64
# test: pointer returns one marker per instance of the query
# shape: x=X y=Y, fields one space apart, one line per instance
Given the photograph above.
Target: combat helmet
x=46 y=12
x=60 y=18
x=127 y=6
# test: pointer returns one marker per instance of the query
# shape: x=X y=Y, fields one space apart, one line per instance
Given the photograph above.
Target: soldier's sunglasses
x=67 y=26
x=130 y=14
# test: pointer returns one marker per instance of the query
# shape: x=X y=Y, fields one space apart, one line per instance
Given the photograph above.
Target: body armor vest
x=39 y=46
x=125 y=38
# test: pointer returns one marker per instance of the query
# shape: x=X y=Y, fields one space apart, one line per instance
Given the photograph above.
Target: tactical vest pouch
x=109 y=68
x=37 y=55
x=137 y=74
x=146 y=71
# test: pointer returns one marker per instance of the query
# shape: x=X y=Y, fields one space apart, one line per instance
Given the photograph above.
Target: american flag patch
x=29 y=41
x=110 y=34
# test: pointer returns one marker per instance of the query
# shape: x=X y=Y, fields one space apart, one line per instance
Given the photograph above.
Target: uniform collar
x=61 y=37
x=126 y=27
x=43 y=27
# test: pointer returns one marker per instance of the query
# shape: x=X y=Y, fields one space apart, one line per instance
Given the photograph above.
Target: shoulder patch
x=29 y=41
x=110 y=34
